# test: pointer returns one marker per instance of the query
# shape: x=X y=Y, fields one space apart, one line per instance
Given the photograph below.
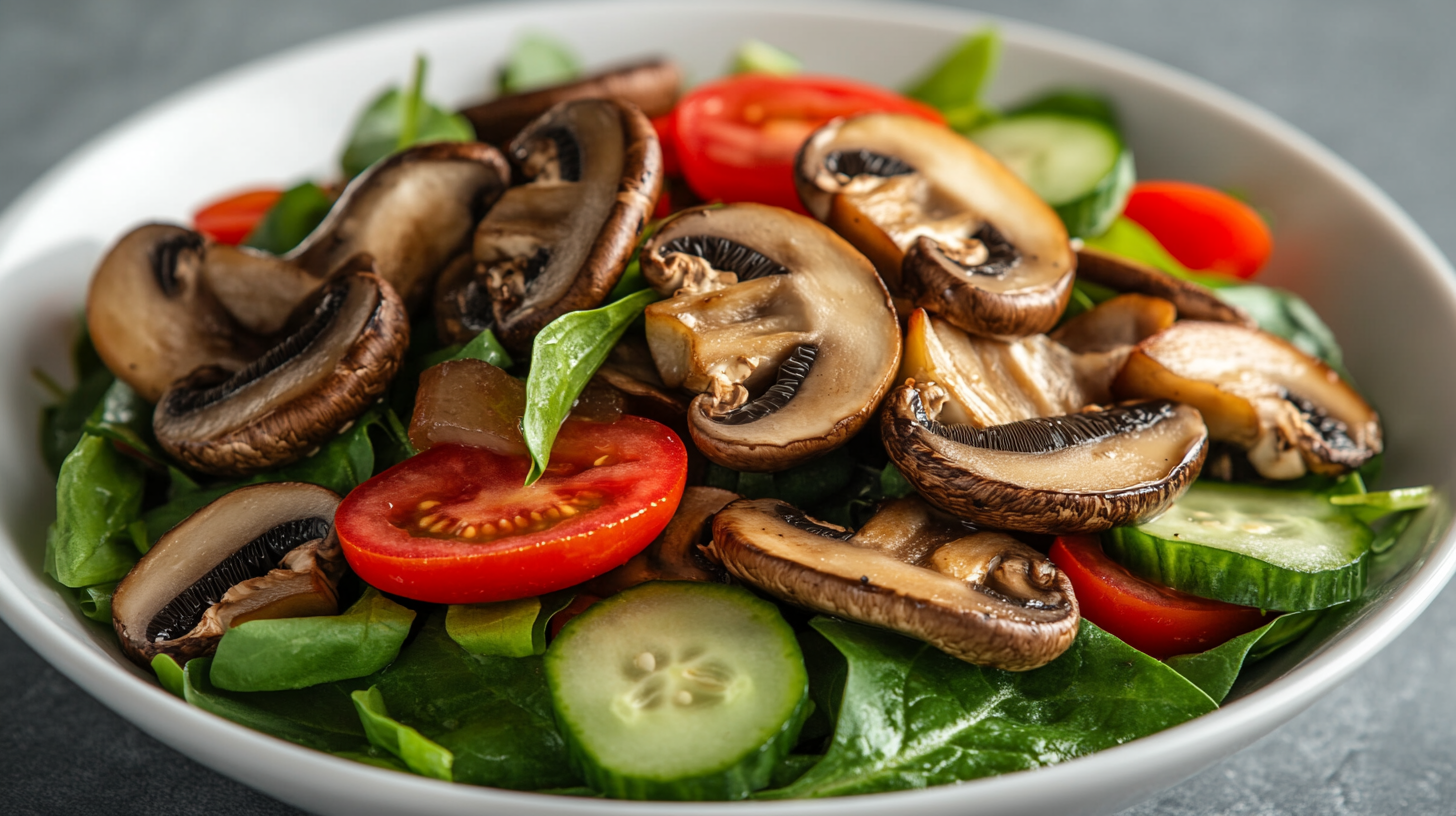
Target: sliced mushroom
x=560 y=241
x=652 y=85
x=1120 y=274
x=1291 y=412
x=983 y=597
x=264 y=551
x=414 y=213
x=1078 y=473
x=783 y=328
x=947 y=225
x=299 y=393
x=1116 y=324
x=675 y=555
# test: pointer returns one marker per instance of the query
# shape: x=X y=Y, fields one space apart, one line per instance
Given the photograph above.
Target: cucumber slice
x=1261 y=547
x=678 y=690
x=1078 y=165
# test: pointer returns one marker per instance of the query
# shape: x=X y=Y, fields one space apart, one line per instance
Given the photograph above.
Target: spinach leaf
x=1371 y=507
x=758 y=57
x=1082 y=104
x=124 y=417
x=507 y=628
x=321 y=717
x=893 y=483
x=293 y=653
x=538 y=61
x=298 y=212
x=62 y=424
x=95 y=601
x=98 y=496
x=954 y=85
x=483 y=347
x=801 y=485
x=398 y=119
x=912 y=716
x=170 y=675
x=564 y=357
x=1215 y=670
x=418 y=752
x=493 y=713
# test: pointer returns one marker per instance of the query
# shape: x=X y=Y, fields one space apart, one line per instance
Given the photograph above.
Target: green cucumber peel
x=398 y=119
x=758 y=57
x=955 y=83
x=566 y=353
x=505 y=628
x=536 y=61
x=294 y=653
x=418 y=753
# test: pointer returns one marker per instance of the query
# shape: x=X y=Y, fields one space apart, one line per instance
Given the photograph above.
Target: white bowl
x=282 y=119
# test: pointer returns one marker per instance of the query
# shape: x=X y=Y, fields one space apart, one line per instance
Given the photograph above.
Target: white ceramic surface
x=282 y=119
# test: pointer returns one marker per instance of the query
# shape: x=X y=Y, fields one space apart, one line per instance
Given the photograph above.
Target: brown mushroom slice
x=560 y=241
x=676 y=554
x=1079 y=473
x=414 y=212
x=263 y=551
x=1120 y=274
x=1116 y=324
x=949 y=227
x=652 y=85
x=983 y=597
x=297 y=394
x=1291 y=412
x=783 y=328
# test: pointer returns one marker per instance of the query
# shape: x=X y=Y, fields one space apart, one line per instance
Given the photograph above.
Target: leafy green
x=506 y=628
x=98 y=495
x=565 y=356
x=61 y=423
x=893 y=483
x=320 y=717
x=758 y=57
x=418 y=752
x=912 y=716
x=954 y=85
x=1371 y=507
x=397 y=119
x=538 y=61
x=170 y=675
x=296 y=214
x=293 y=653
x=486 y=348
x=1126 y=238
x=95 y=601
x=801 y=485
x=1071 y=102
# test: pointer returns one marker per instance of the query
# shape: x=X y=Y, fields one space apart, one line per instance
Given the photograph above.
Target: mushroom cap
x=950 y=228
x=983 y=597
x=652 y=85
x=1078 y=473
x=296 y=395
x=794 y=350
x=1121 y=274
x=242 y=536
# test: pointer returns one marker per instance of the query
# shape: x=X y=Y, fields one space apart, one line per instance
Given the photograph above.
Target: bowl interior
x=1358 y=260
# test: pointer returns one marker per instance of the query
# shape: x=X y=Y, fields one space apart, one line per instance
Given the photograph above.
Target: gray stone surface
x=1373 y=82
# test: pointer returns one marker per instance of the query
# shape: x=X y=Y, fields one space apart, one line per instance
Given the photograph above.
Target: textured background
x=1373 y=82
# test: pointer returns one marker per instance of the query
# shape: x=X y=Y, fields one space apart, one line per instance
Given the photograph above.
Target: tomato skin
x=737 y=138
x=229 y=220
x=628 y=501
x=1203 y=228
x=1153 y=619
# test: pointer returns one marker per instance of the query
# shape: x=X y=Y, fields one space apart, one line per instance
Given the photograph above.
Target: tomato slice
x=736 y=138
x=1203 y=228
x=1153 y=619
x=455 y=524
x=230 y=220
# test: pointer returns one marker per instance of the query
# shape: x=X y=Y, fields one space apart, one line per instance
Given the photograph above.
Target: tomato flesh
x=1153 y=619
x=736 y=138
x=230 y=220
x=1203 y=228
x=456 y=524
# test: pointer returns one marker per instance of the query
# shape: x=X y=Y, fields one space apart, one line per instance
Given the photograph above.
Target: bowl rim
x=138 y=699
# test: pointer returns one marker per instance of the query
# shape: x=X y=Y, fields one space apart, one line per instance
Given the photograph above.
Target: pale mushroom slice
x=560 y=240
x=297 y=394
x=1121 y=274
x=652 y=85
x=263 y=551
x=982 y=597
x=1290 y=411
x=779 y=324
x=948 y=226
x=1077 y=473
x=676 y=554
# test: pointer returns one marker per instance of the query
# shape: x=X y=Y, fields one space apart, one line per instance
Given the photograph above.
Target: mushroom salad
x=784 y=436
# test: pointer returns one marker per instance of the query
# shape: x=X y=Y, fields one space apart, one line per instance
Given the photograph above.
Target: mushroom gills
x=721 y=255
x=848 y=164
x=792 y=373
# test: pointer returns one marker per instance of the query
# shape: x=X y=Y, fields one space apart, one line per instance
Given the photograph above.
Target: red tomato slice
x=230 y=220
x=455 y=525
x=1203 y=228
x=737 y=137
x=1153 y=619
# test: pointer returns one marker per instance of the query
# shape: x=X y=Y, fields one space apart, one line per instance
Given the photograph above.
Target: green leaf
x=1128 y=239
x=170 y=675
x=801 y=485
x=758 y=57
x=565 y=356
x=913 y=716
x=483 y=347
x=1215 y=670
x=954 y=85
x=1371 y=507
x=98 y=494
x=62 y=424
x=1286 y=315
x=396 y=120
x=298 y=212
x=321 y=717
x=1069 y=102
x=124 y=417
x=95 y=601
x=502 y=629
x=894 y=484
x=538 y=61
x=418 y=752
x=293 y=653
